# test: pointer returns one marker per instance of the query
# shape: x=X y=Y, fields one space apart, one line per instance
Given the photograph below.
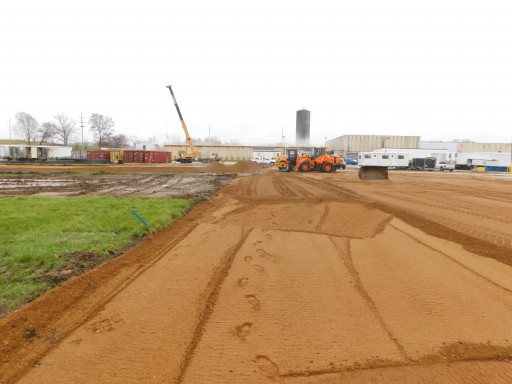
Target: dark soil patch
x=76 y=264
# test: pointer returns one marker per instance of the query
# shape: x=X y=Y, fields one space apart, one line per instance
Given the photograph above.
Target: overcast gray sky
x=441 y=69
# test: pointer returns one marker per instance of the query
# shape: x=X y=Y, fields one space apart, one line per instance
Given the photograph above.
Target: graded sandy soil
x=292 y=278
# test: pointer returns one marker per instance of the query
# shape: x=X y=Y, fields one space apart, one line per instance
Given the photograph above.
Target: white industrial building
x=351 y=145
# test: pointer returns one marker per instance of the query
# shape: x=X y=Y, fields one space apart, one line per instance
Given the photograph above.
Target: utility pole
x=82 y=126
x=10 y=130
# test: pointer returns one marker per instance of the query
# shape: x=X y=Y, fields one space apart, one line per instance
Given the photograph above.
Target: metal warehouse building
x=231 y=152
x=351 y=145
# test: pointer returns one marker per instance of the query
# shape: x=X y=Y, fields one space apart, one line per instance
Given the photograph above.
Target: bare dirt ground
x=176 y=185
x=292 y=278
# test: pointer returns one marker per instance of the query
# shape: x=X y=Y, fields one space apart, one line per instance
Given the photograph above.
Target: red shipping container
x=128 y=156
x=155 y=157
x=160 y=157
x=138 y=156
x=98 y=155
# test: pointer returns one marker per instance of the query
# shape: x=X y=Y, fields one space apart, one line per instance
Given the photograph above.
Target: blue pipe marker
x=140 y=218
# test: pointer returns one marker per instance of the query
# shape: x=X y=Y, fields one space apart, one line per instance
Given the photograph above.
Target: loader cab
x=317 y=152
x=292 y=156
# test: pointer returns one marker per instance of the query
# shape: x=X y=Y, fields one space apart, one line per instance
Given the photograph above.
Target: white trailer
x=475 y=159
x=420 y=153
x=384 y=159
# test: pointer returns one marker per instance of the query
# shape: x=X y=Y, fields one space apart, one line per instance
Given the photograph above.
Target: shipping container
x=128 y=156
x=155 y=157
x=138 y=156
x=117 y=157
x=98 y=155
x=133 y=156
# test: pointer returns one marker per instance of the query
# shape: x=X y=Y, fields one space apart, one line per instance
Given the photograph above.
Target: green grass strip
x=35 y=230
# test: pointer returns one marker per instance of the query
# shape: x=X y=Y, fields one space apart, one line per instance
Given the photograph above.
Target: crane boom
x=193 y=154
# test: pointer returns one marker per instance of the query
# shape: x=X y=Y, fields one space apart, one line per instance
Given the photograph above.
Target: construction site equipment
x=373 y=173
x=184 y=157
x=374 y=165
x=317 y=161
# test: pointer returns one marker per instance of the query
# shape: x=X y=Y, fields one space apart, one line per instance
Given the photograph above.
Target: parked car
x=263 y=160
x=350 y=161
x=445 y=166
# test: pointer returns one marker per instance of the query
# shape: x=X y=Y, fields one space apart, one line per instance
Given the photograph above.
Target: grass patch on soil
x=44 y=240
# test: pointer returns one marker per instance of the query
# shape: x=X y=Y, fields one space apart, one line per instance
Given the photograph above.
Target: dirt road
x=292 y=278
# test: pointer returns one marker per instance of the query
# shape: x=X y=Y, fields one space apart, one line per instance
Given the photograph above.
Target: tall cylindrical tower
x=302 y=127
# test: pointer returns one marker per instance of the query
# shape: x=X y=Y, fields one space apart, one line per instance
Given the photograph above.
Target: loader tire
x=327 y=167
x=304 y=167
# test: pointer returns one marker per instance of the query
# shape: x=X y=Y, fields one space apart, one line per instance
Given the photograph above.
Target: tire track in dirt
x=280 y=315
x=488 y=245
x=452 y=259
x=446 y=207
x=217 y=282
x=283 y=188
x=322 y=218
x=430 y=302
x=342 y=246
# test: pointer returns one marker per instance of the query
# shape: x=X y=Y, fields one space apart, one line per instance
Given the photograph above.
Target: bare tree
x=134 y=140
x=46 y=131
x=118 y=141
x=101 y=126
x=26 y=126
x=64 y=128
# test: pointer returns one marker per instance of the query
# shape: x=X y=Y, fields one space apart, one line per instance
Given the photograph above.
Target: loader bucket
x=367 y=172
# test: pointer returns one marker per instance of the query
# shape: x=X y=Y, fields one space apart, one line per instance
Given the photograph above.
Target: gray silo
x=302 y=127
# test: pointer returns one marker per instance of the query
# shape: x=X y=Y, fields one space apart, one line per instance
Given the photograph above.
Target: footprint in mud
x=259 y=268
x=253 y=301
x=106 y=325
x=243 y=330
x=243 y=282
x=206 y=238
x=248 y=259
x=265 y=254
x=268 y=368
x=255 y=244
x=268 y=236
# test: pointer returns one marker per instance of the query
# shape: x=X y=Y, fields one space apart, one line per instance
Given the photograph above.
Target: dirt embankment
x=292 y=278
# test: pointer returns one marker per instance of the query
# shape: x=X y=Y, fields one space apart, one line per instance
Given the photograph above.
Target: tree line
x=62 y=128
